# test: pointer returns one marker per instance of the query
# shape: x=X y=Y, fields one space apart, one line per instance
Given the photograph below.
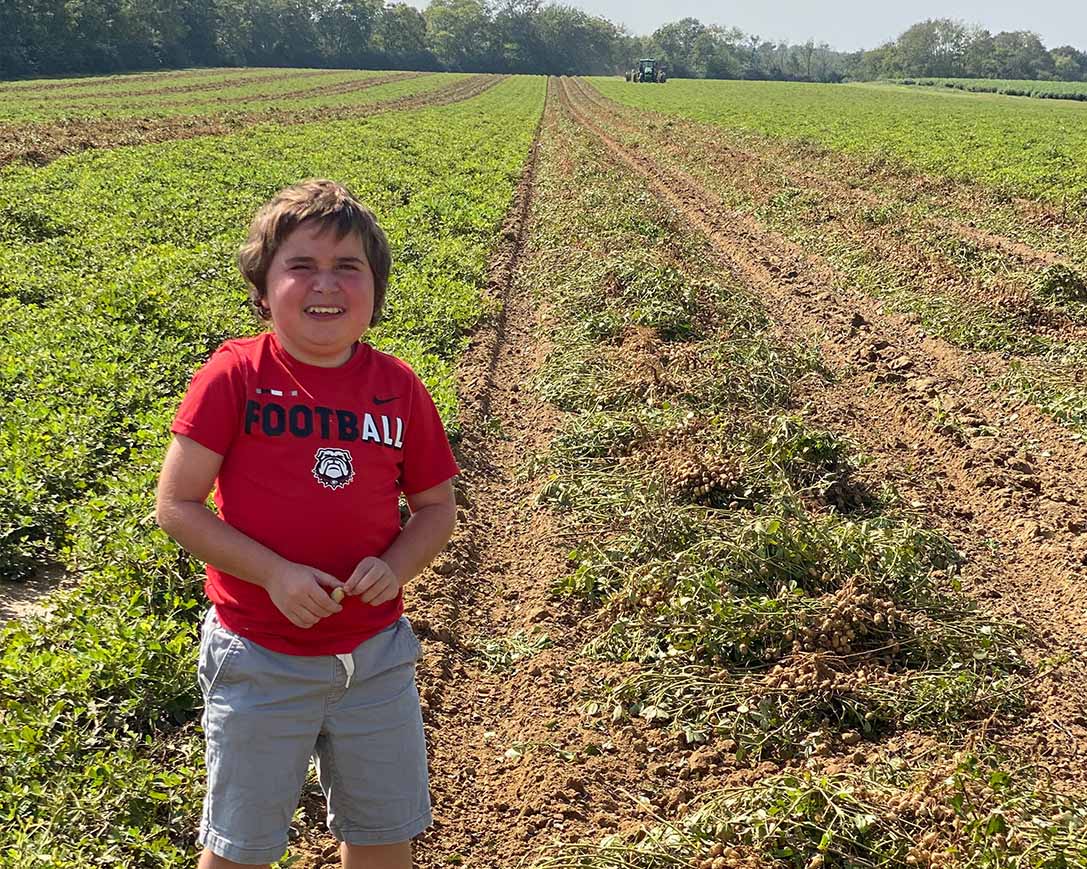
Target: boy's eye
x=300 y=267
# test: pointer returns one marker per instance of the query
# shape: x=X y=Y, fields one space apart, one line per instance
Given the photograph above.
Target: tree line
x=50 y=37
x=946 y=48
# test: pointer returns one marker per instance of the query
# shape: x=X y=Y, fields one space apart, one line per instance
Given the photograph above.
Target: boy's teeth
x=321 y=309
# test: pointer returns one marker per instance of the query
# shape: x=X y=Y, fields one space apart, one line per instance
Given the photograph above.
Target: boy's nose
x=324 y=280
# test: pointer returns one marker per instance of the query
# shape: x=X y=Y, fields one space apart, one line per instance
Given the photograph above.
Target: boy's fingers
x=356 y=575
x=325 y=579
x=368 y=579
x=318 y=605
x=379 y=592
x=321 y=604
x=304 y=619
x=371 y=592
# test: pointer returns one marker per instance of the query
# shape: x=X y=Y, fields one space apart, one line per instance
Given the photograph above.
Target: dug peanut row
x=735 y=634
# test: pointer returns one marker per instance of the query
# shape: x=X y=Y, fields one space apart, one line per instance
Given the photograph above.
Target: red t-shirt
x=314 y=461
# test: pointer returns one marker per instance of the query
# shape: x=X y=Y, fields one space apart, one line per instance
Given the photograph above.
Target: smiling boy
x=309 y=436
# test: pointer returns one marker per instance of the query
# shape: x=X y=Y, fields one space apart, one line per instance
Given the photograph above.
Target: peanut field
x=771 y=547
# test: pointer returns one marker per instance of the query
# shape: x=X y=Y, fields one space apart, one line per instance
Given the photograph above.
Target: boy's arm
x=433 y=518
x=188 y=473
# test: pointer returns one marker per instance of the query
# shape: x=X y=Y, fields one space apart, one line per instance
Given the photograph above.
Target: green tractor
x=648 y=70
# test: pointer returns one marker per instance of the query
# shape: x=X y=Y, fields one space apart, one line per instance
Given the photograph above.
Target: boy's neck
x=329 y=361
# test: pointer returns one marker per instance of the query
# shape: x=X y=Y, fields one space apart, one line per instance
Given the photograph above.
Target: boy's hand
x=374 y=580
x=301 y=593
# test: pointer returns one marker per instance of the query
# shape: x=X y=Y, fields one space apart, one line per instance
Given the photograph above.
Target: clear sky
x=848 y=24
x=851 y=24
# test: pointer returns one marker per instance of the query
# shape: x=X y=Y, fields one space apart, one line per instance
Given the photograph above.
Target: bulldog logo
x=333 y=468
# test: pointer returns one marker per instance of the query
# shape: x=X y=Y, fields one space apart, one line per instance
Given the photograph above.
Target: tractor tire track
x=1013 y=481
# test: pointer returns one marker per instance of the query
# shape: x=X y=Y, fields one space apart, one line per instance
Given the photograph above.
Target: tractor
x=648 y=70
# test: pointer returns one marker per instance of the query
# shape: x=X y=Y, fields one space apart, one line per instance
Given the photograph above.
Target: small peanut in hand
x=337 y=594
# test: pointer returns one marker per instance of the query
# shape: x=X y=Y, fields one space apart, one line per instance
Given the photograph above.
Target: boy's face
x=320 y=292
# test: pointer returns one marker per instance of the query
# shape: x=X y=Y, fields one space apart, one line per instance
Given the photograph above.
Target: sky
x=852 y=24
x=848 y=25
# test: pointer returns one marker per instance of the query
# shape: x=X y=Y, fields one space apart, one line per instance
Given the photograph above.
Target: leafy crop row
x=292 y=90
x=48 y=90
x=1036 y=149
x=118 y=281
x=1045 y=90
x=121 y=80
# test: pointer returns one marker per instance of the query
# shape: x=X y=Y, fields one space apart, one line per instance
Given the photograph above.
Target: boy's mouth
x=322 y=311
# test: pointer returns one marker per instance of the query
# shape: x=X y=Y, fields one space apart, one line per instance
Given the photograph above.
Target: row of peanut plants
x=286 y=92
x=118 y=281
x=1026 y=147
x=123 y=81
x=1015 y=87
x=761 y=595
x=45 y=91
x=974 y=296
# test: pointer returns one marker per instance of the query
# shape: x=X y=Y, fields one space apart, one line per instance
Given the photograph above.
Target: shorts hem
x=390 y=836
x=222 y=847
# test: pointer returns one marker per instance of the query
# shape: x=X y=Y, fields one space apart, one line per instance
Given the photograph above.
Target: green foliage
x=502 y=653
x=1030 y=148
x=1045 y=90
x=238 y=94
x=1062 y=283
x=968 y=810
x=98 y=705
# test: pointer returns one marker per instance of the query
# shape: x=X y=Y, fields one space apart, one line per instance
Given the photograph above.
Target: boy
x=309 y=436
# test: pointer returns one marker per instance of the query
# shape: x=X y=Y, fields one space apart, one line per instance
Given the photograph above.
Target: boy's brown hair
x=332 y=206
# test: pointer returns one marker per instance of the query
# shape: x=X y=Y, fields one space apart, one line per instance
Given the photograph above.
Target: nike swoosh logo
x=385 y=400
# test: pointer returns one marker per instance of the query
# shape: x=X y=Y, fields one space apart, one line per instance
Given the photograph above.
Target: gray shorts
x=266 y=714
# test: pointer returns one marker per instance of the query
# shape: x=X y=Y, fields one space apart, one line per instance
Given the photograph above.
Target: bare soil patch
x=20 y=600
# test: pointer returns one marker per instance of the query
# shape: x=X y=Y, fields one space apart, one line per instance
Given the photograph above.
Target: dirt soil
x=29 y=597
x=39 y=144
x=1005 y=482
